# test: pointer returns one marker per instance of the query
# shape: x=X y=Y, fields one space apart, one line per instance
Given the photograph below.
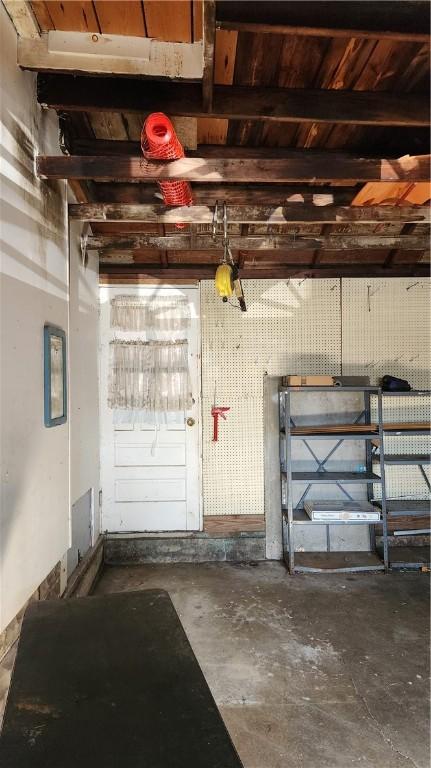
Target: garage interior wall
x=335 y=326
x=36 y=477
x=84 y=376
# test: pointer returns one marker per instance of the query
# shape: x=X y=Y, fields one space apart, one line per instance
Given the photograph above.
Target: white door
x=150 y=478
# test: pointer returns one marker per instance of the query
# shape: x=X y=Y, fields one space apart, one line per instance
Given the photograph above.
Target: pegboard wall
x=290 y=326
x=386 y=329
x=350 y=326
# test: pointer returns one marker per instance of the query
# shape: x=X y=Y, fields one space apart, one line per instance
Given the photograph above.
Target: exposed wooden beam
x=249 y=194
x=407 y=21
x=92 y=146
x=207 y=170
x=100 y=54
x=208 y=14
x=23 y=19
x=305 y=31
x=406 y=230
x=80 y=190
x=204 y=242
x=248 y=214
x=266 y=273
x=67 y=93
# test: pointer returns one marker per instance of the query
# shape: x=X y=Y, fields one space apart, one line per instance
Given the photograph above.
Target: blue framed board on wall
x=55 y=376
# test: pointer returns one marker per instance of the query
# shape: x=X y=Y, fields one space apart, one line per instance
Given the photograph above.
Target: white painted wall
x=38 y=484
x=84 y=375
x=34 y=290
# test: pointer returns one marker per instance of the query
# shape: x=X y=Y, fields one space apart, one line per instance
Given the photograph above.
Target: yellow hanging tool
x=227 y=282
x=224 y=282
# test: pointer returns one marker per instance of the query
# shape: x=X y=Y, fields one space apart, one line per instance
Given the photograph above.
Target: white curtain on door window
x=158 y=313
x=149 y=377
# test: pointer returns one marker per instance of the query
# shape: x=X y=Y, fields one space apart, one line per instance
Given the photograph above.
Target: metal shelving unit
x=295 y=515
x=413 y=557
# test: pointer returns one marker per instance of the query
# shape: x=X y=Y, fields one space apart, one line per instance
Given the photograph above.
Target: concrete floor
x=308 y=672
x=311 y=671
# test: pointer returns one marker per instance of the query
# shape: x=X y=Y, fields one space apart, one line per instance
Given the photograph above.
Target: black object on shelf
x=393 y=384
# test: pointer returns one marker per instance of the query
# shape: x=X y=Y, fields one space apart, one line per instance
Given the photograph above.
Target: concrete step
x=133 y=549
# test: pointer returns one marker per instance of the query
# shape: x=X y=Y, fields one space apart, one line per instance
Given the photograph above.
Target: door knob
x=190 y=422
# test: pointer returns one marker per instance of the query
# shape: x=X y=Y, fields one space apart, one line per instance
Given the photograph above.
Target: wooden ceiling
x=339 y=78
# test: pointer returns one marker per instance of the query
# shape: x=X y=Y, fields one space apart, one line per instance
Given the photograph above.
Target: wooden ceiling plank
x=344 y=60
x=197 y=10
x=108 y=125
x=300 y=66
x=209 y=45
x=264 y=273
x=124 y=18
x=76 y=16
x=210 y=130
x=253 y=67
x=133 y=242
x=214 y=171
x=384 y=71
x=248 y=214
x=42 y=15
x=224 y=58
x=170 y=20
x=68 y=93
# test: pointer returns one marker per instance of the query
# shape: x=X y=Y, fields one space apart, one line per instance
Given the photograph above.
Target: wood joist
x=301 y=168
x=188 y=273
x=295 y=213
x=93 y=94
x=269 y=242
x=367 y=19
x=233 y=194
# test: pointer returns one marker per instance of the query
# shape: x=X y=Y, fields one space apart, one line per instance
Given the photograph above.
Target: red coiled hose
x=160 y=142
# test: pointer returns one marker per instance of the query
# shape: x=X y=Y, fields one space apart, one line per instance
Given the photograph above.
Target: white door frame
x=103 y=385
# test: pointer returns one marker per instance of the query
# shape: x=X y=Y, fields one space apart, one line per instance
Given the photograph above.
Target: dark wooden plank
x=404 y=19
x=248 y=214
x=320 y=106
x=207 y=170
x=132 y=242
x=327 y=32
x=95 y=94
x=110 y=681
x=249 y=194
x=90 y=145
x=279 y=272
x=209 y=50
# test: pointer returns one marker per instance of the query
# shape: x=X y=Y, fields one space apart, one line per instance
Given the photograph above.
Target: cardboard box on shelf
x=308 y=381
